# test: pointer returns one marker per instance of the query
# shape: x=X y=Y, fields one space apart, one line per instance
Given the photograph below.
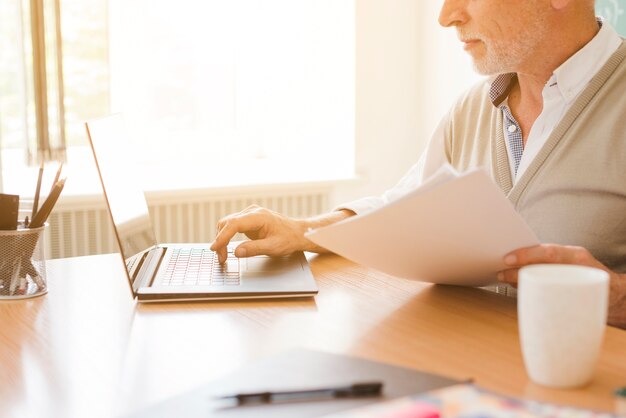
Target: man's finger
x=222 y=222
x=229 y=229
x=225 y=219
x=266 y=246
x=509 y=276
x=549 y=254
x=250 y=209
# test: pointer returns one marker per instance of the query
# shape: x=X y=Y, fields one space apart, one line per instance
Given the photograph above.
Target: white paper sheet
x=455 y=229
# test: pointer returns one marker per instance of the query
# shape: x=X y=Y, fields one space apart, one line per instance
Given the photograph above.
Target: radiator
x=85 y=229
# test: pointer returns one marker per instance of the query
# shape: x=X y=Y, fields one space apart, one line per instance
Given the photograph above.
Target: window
x=248 y=86
x=13 y=107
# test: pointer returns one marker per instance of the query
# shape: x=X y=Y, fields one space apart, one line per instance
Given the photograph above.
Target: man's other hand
x=561 y=254
x=546 y=254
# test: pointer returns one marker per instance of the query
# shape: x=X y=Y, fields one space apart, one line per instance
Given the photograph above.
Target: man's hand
x=270 y=232
x=560 y=254
x=547 y=254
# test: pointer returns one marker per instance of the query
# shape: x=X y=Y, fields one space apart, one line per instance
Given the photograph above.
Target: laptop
x=180 y=272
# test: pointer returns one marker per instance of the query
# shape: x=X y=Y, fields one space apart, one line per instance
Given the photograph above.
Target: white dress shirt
x=563 y=87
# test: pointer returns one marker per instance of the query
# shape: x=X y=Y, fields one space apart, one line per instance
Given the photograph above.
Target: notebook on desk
x=176 y=272
x=290 y=370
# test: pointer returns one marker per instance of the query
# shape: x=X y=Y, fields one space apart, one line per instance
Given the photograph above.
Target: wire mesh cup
x=22 y=263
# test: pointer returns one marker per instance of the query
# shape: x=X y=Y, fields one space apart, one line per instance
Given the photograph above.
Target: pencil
x=48 y=205
x=37 y=191
x=56 y=177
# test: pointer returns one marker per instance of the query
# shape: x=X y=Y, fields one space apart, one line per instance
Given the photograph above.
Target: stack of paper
x=454 y=229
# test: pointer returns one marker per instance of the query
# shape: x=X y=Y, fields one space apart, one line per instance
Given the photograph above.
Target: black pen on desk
x=47 y=206
x=356 y=390
x=37 y=191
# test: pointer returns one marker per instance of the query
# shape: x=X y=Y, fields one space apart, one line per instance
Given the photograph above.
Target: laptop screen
x=126 y=201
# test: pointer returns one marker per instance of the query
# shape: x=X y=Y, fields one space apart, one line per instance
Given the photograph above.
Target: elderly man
x=549 y=126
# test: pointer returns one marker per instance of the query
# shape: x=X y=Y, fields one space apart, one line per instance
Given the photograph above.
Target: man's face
x=500 y=35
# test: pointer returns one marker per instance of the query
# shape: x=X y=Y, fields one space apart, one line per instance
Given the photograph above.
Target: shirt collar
x=573 y=75
x=500 y=87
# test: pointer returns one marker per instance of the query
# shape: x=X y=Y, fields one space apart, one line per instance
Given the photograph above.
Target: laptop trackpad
x=263 y=264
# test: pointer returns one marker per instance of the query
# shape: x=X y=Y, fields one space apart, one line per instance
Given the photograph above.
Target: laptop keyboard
x=200 y=267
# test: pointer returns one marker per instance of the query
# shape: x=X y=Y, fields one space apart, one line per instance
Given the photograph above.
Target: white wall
x=409 y=70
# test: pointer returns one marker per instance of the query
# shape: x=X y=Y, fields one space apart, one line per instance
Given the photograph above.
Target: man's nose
x=453 y=13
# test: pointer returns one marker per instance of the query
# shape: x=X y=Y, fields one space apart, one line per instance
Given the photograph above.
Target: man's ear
x=559 y=4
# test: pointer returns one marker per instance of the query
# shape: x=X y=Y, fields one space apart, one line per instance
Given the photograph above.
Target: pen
x=37 y=191
x=356 y=390
x=42 y=214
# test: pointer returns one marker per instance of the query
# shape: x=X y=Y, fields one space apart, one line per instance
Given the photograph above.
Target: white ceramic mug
x=562 y=311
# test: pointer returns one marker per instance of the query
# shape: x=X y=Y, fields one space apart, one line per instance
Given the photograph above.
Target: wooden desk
x=87 y=349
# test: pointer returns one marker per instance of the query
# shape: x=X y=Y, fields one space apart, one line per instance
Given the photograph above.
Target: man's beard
x=506 y=55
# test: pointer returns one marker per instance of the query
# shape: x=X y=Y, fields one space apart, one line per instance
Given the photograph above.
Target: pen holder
x=22 y=263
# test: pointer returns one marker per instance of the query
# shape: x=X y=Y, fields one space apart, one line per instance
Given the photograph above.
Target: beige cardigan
x=574 y=192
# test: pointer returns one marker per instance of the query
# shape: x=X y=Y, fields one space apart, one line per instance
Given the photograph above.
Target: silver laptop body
x=180 y=272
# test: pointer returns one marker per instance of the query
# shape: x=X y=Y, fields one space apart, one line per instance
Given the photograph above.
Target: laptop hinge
x=149 y=268
x=135 y=262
